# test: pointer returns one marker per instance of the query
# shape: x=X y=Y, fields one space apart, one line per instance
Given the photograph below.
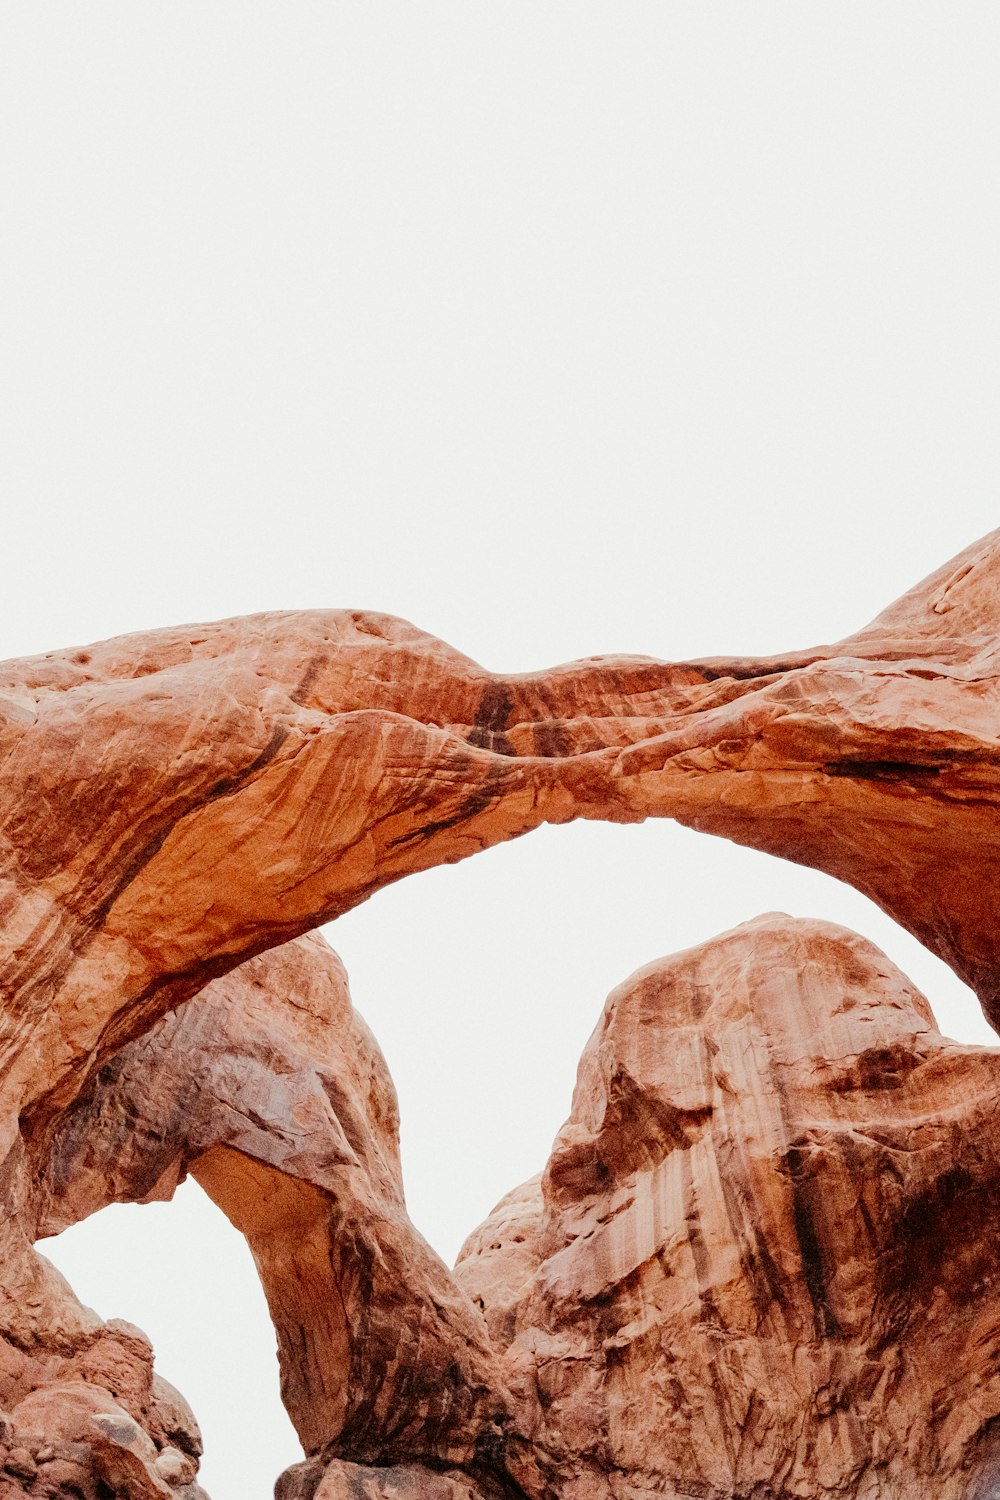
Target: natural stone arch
x=175 y=804
x=271 y=1091
x=754 y=1198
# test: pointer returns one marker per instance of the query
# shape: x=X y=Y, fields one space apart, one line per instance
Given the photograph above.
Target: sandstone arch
x=270 y=1089
x=175 y=804
x=739 y=1274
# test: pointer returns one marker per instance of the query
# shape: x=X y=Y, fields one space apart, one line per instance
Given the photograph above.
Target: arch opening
x=185 y=1276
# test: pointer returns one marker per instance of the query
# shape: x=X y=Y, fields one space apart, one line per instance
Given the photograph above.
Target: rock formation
x=739 y=1274
x=271 y=1090
x=762 y=1259
x=87 y=1417
x=177 y=804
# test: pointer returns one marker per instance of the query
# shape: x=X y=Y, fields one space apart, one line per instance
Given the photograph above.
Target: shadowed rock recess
x=761 y=1262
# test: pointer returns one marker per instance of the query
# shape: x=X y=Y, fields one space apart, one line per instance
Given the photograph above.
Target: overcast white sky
x=657 y=327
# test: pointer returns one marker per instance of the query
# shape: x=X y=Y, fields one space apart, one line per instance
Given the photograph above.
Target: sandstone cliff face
x=762 y=1257
x=739 y=1274
x=737 y=1282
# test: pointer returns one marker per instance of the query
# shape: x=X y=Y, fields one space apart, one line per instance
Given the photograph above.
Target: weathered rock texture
x=739 y=1276
x=86 y=1417
x=762 y=1259
x=174 y=804
x=271 y=1090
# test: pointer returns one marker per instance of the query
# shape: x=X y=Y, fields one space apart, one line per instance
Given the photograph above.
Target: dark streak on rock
x=304 y=686
x=696 y=1240
x=747 y=671
x=492 y=720
x=880 y=770
x=552 y=740
x=810 y=1250
x=476 y=802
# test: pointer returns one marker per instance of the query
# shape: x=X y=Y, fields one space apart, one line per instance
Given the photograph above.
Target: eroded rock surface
x=270 y=1089
x=739 y=1275
x=762 y=1259
x=173 y=805
x=87 y=1418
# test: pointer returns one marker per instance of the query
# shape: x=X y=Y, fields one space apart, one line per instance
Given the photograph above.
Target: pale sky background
x=557 y=328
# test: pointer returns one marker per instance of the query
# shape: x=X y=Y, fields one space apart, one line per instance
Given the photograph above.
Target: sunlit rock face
x=179 y=809
x=762 y=1258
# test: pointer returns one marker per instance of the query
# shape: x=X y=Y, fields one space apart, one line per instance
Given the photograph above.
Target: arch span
x=173 y=803
x=177 y=806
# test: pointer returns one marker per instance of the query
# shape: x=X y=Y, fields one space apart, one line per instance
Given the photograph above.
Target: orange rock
x=772 y=1272
x=271 y=1090
x=174 y=802
x=738 y=1272
x=761 y=1259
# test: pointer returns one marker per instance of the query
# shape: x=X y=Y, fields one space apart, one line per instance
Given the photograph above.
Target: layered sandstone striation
x=173 y=803
x=178 y=809
x=761 y=1260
